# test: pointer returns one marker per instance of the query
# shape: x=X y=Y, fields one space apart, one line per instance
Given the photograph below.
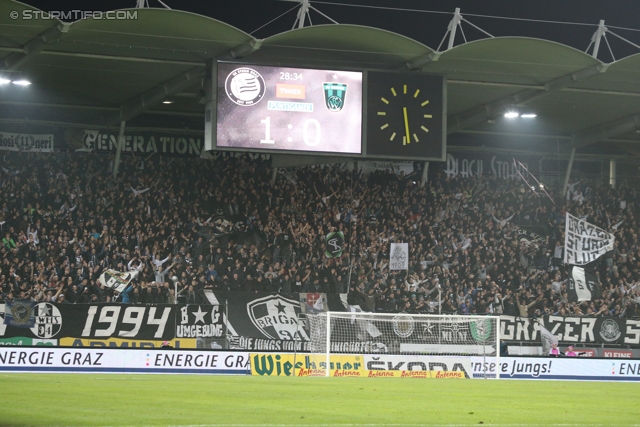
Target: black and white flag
x=584 y=242
x=117 y=280
x=583 y=285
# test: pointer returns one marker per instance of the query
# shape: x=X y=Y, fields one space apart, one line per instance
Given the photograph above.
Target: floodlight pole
x=116 y=163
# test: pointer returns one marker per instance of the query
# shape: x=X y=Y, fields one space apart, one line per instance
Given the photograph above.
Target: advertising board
x=108 y=360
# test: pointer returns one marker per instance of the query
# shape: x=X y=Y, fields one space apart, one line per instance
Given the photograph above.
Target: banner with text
x=564 y=368
x=584 y=242
x=264 y=321
x=127 y=361
x=468 y=165
x=122 y=343
x=139 y=143
x=26 y=142
x=601 y=330
x=200 y=321
x=148 y=322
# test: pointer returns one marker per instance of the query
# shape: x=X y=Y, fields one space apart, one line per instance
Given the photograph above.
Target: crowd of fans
x=191 y=225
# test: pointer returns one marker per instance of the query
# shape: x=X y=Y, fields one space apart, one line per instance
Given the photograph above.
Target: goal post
x=401 y=341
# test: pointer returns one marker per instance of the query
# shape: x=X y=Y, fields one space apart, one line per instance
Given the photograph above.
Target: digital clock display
x=278 y=108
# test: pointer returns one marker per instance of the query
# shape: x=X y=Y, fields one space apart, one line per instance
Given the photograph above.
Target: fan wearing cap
x=570 y=352
x=166 y=344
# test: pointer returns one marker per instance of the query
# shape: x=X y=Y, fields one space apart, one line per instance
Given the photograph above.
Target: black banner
x=601 y=330
x=145 y=322
x=200 y=321
x=265 y=321
x=271 y=322
x=529 y=237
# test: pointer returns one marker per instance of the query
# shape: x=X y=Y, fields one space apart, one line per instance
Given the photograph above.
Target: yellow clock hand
x=406 y=125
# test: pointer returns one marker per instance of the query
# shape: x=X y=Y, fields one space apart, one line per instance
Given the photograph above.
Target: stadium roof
x=93 y=72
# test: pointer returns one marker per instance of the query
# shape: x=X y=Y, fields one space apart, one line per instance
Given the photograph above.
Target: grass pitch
x=181 y=400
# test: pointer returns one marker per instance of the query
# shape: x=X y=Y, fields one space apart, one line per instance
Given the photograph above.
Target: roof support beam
x=245 y=49
x=604 y=131
x=419 y=62
x=14 y=60
x=499 y=106
x=154 y=96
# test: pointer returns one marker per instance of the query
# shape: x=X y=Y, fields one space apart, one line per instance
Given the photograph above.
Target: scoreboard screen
x=293 y=109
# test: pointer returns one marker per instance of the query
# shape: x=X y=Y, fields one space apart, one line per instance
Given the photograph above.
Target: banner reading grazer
x=578 y=330
x=584 y=242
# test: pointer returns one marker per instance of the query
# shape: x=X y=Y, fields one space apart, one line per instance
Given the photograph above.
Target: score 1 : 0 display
x=277 y=108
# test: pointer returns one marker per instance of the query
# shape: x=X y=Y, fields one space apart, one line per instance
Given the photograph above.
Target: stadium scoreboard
x=356 y=114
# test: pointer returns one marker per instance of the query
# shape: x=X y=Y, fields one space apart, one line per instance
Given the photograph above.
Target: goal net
x=410 y=342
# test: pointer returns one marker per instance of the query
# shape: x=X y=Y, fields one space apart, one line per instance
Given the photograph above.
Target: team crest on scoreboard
x=277 y=317
x=334 y=95
x=245 y=86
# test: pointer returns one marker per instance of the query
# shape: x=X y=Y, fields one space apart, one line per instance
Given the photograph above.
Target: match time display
x=297 y=109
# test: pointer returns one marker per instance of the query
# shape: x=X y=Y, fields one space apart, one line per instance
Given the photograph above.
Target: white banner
x=584 y=242
x=26 y=142
x=123 y=361
x=563 y=368
x=399 y=256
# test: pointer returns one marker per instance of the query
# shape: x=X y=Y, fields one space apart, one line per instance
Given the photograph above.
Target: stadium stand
x=223 y=225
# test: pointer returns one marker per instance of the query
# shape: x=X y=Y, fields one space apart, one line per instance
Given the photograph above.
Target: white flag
x=548 y=339
x=584 y=242
x=117 y=280
x=399 y=256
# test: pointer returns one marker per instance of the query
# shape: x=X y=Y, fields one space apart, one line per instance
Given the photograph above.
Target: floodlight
x=511 y=114
x=4 y=80
x=529 y=115
x=168 y=101
x=21 y=82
